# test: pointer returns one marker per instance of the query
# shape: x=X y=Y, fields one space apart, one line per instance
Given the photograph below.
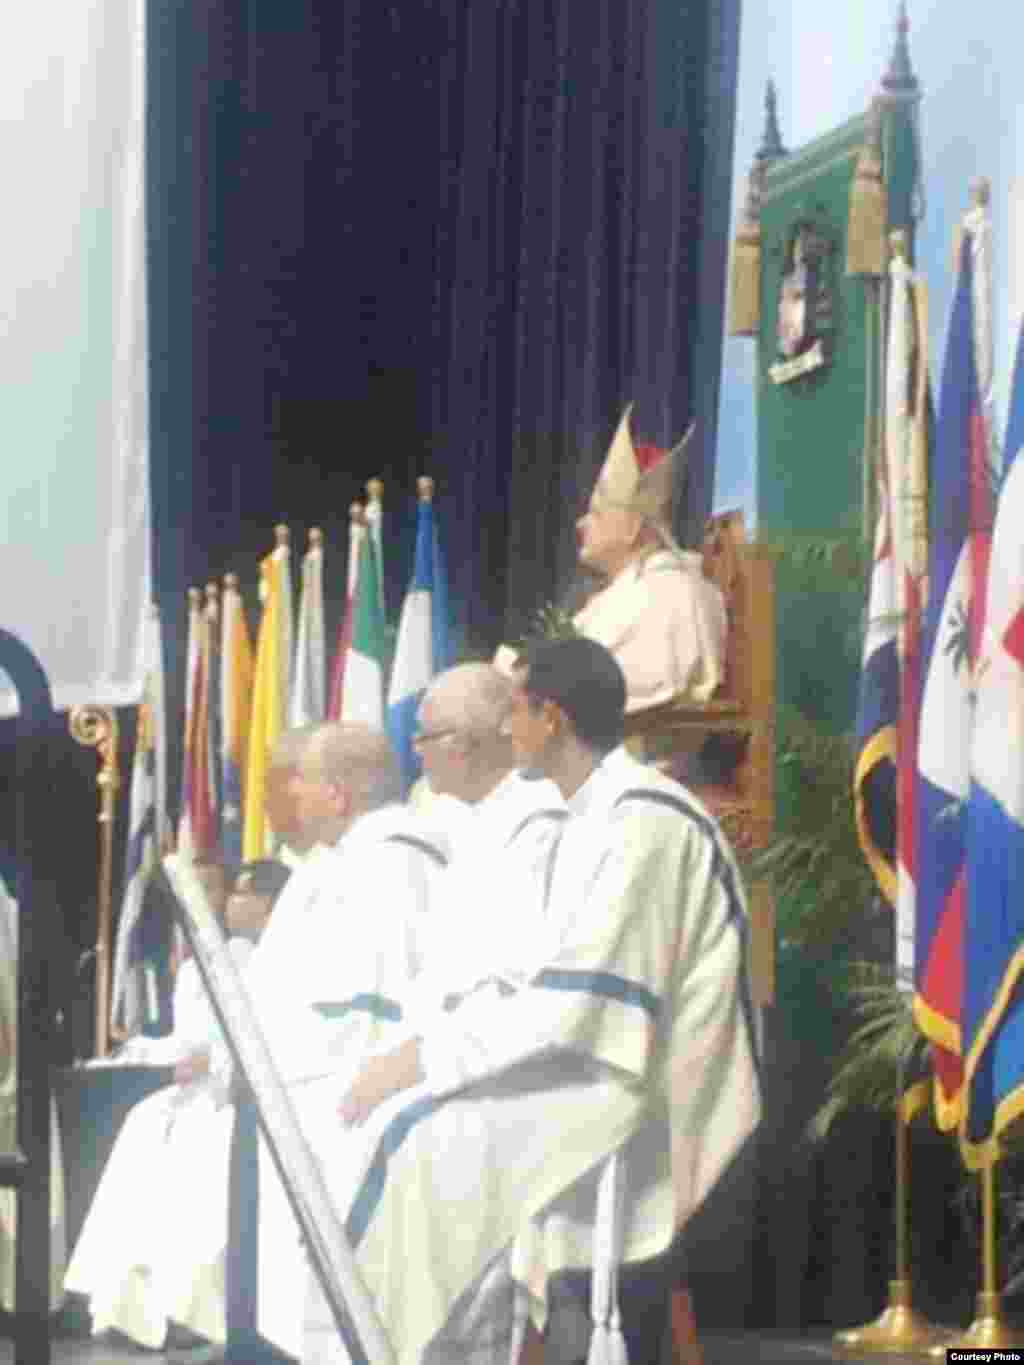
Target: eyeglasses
x=422 y=737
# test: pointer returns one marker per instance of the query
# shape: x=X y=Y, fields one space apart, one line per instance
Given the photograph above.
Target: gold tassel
x=867 y=226
x=745 y=281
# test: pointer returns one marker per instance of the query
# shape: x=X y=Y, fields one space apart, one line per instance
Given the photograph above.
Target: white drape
x=74 y=498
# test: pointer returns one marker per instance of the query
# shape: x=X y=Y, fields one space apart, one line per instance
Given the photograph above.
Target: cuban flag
x=141 y=979
x=423 y=646
x=960 y=536
x=992 y=1021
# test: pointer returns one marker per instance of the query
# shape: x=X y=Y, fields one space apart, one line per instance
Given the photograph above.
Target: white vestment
x=344 y=935
x=9 y=1122
x=137 y=1223
x=666 y=625
x=636 y=1036
x=489 y=922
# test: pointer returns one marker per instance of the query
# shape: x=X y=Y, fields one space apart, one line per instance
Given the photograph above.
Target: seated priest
x=503 y=841
x=323 y=966
x=9 y=1117
x=466 y=1162
x=662 y=619
x=480 y=928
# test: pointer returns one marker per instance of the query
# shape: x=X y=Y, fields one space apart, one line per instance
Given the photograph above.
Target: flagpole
x=899 y=1327
x=96 y=728
x=989 y=1330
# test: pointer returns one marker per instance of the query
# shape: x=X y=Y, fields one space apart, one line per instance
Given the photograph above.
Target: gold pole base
x=898 y=1329
x=989 y=1330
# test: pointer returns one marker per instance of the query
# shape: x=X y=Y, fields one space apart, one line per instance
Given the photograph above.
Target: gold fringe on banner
x=868 y=221
x=745 y=281
x=745 y=271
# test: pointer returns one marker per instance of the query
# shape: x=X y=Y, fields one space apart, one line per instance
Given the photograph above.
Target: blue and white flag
x=423 y=646
x=140 y=976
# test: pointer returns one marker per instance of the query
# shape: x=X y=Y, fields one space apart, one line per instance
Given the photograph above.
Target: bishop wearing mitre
x=656 y=612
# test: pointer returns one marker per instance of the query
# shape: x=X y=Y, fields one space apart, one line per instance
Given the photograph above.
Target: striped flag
x=356 y=532
x=363 y=696
x=236 y=700
x=140 y=973
x=423 y=646
x=269 y=696
x=960 y=535
x=889 y=698
x=198 y=835
x=308 y=703
x=992 y=1023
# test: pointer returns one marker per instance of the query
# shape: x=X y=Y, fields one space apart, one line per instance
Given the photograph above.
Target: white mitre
x=661 y=618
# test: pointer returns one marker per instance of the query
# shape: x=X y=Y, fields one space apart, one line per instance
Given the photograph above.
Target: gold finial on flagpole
x=281 y=536
x=981 y=192
x=316 y=538
x=356 y=514
x=425 y=488
x=231 y=582
x=212 y=598
x=375 y=490
x=195 y=599
x=96 y=728
x=898 y=244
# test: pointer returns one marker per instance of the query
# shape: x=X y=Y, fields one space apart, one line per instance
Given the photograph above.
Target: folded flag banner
x=141 y=979
x=308 y=702
x=890 y=680
x=269 y=693
x=992 y=1019
x=197 y=829
x=236 y=700
x=423 y=646
x=356 y=532
x=908 y=431
x=960 y=535
x=362 y=699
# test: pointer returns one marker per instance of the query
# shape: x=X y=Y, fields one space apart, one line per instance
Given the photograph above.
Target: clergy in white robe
x=636 y=1036
x=489 y=921
x=664 y=622
x=343 y=938
x=326 y=983
x=9 y=1117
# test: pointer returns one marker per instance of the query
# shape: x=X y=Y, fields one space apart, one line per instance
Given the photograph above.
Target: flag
x=889 y=685
x=236 y=698
x=198 y=835
x=307 y=704
x=992 y=1021
x=961 y=520
x=356 y=532
x=269 y=697
x=423 y=645
x=141 y=980
x=363 y=696
x=375 y=526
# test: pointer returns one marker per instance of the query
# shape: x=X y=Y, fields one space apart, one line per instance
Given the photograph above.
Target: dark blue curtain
x=452 y=237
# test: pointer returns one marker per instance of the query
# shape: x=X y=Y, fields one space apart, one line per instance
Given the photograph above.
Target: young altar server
x=464 y=1196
